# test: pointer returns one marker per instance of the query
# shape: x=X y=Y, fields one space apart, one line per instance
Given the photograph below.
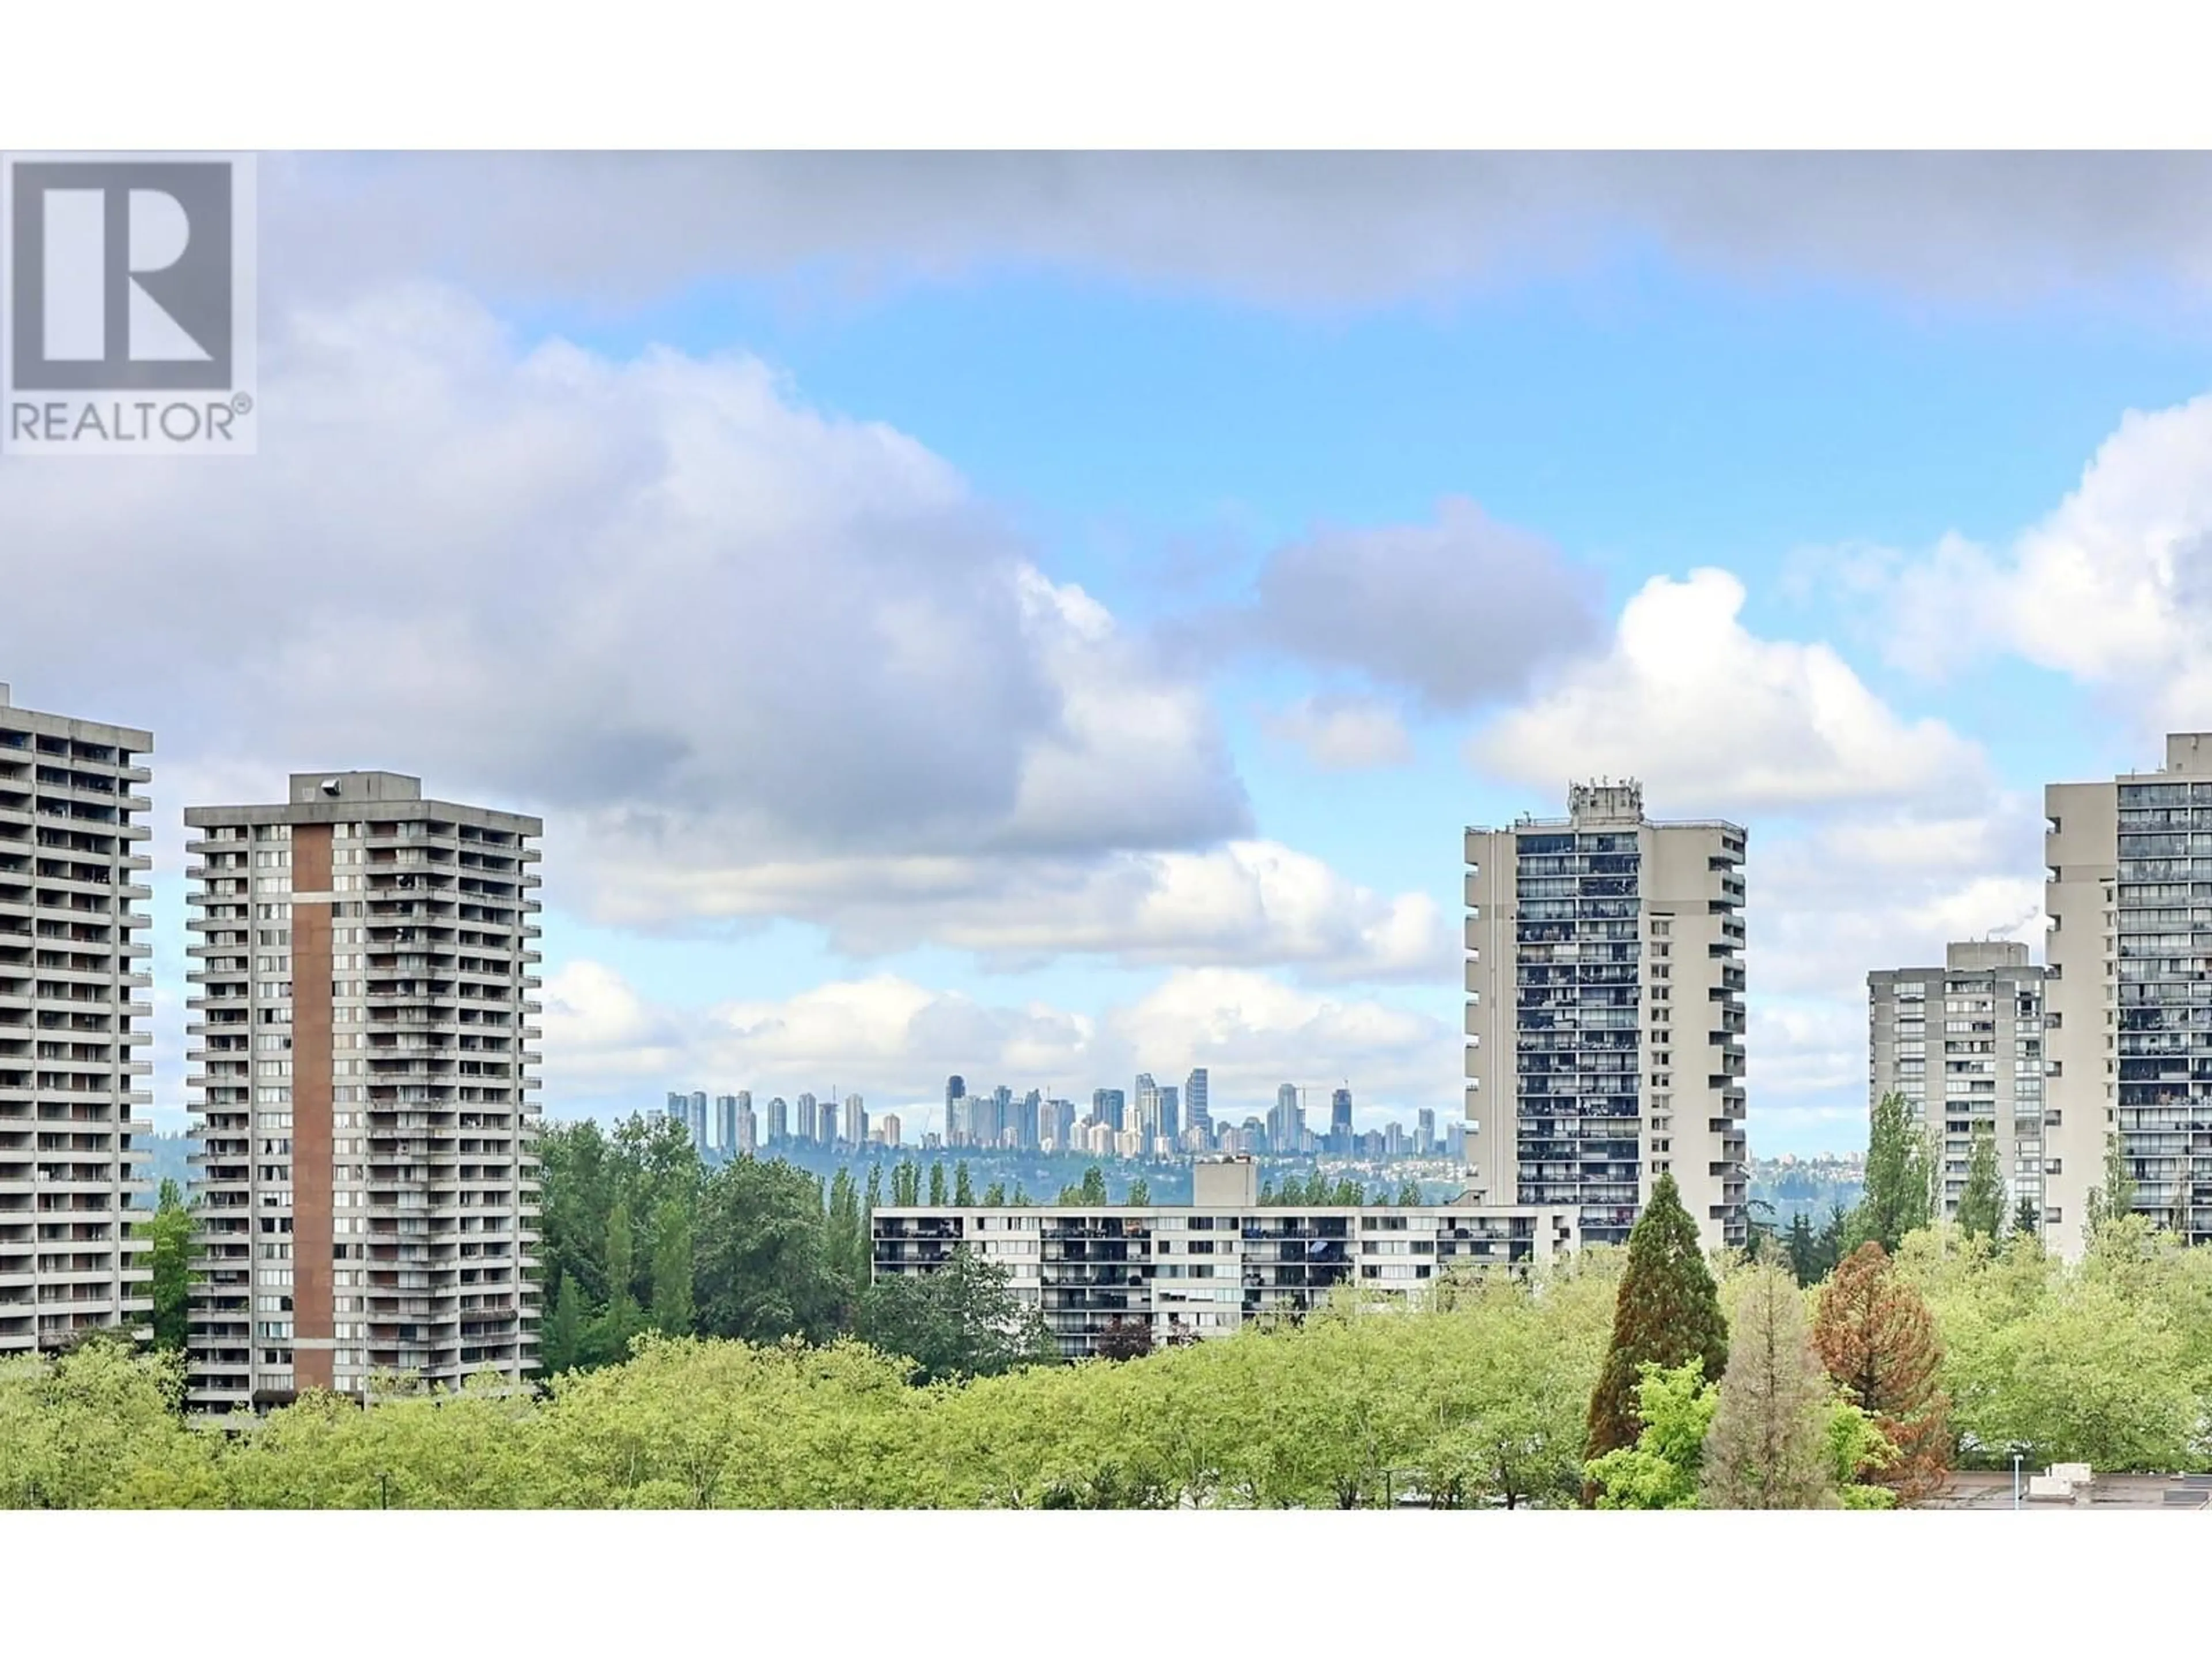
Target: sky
x=1048 y=617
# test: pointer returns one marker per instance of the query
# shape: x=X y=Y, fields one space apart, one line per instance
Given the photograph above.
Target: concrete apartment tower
x=361 y=1039
x=2129 y=994
x=1964 y=1043
x=1605 y=1014
x=74 y=1007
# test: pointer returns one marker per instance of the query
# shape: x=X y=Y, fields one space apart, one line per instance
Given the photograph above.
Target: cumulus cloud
x=1342 y=733
x=1290 y=229
x=2113 y=587
x=1454 y=612
x=1715 y=719
x=894 y=1041
x=659 y=598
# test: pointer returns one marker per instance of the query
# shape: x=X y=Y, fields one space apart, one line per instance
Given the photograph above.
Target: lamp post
x=2015 y=1478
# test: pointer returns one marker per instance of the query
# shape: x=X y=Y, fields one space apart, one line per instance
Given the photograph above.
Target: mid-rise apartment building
x=1202 y=1269
x=361 y=1039
x=1964 y=1044
x=74 y=1007
x=1605 y=1014
x=2129 y=994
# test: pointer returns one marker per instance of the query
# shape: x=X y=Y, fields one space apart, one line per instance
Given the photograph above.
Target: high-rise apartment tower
x=74 y=1007
x=1605 y=1014
x=363 y=966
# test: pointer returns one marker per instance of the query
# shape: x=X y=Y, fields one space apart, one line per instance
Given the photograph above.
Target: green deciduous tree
x=963 y=1189
x=963 y=1320
x=1898 y=1197
x=937 y=1195
x=1667 y=1313
x=1981 y=1202
x=562 y=1344
x=170 y=1230
x=764 y=1269
x=672 y=1268
x=1140 y=1192
x=1675 y=1409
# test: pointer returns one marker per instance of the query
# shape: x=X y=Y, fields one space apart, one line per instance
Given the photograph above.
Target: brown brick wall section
x=311 y=1175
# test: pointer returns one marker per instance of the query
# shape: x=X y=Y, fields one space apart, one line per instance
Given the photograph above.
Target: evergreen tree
x=672 y=1306
x=1877 y=1339
x=1667 y=1313
x=937 y=1185
x=1981 y=1204
x=2027 y=1220
x=963 y=1189
x=1833 y=1234
x=564 y=1332
x=1768 y=1446
x=1803 y=1250
x=1898 y=1200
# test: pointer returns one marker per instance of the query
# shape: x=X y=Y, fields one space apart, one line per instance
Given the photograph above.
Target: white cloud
x=2113 y=587
x=894 y=1041
x=1343 y=734
x=1245 y=903
x=1715 y=719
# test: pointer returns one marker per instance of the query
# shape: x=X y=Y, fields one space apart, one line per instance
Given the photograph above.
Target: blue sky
x=858 y=424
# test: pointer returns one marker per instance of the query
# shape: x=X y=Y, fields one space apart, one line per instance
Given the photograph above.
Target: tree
x=1802 y=1249
x=672 y=1268
x=1981 y=1203
x=764 y=1270
x=170 y=1229
x=937 y=1185
x=1094 y=1188
x=1660 y=1471
x=1409 y=1193
x=1667 y=1313
x=1769 y=1445
x=564 y=1333
x=906 y=1183
x=994 y=1195
x=610 y=1333
x=1898 y=1196
x=1140 y=1192
x=1876 y=1337
x=1832 y=1246
x=1124 y=1339
x=963 y=1190
x=2027 y=1219
x=2117 y=1196
x=963 y=1320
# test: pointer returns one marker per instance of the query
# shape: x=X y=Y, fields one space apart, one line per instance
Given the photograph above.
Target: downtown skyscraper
x=1605 y=1014
x=364 y=961
x=74 y=1011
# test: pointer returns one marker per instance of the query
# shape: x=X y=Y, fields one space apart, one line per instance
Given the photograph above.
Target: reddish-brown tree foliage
x=1878 y=1341
x=1124 y=1339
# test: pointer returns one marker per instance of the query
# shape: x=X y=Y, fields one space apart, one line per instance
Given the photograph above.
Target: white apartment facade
x=1201 y=1270
x=1963 y=1043
x=74 y=1010
x=363 y=962
x=1605 y=1014
x=2128 y=896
